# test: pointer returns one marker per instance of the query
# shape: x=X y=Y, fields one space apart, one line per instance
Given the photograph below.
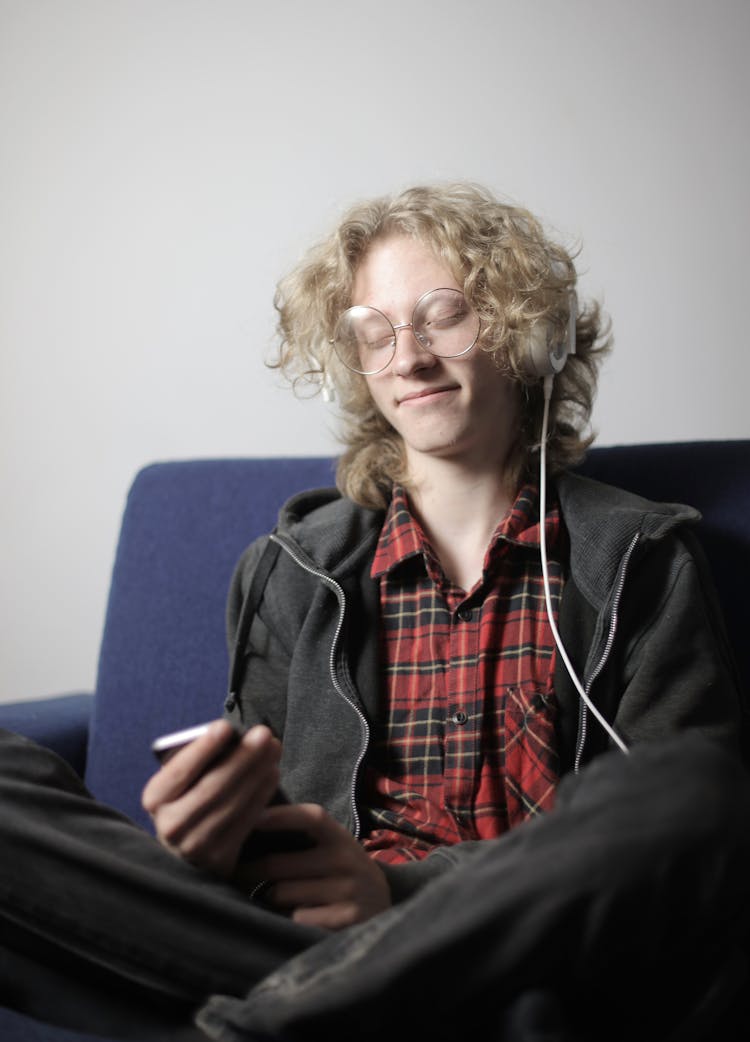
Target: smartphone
x=166 y=745
x=259 y=842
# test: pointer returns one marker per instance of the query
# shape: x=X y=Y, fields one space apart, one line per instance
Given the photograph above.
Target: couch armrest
x=60 y=723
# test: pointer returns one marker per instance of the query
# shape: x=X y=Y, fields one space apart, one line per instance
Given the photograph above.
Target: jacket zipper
x=613 y=621
x=341 y=597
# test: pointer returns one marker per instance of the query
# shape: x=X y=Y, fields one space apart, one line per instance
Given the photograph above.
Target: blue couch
x=163 y=660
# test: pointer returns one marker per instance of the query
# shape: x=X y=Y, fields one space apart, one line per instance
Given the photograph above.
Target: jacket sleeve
x=674 y=669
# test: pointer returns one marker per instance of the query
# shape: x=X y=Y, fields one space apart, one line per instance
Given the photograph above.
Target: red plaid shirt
x=465 y=745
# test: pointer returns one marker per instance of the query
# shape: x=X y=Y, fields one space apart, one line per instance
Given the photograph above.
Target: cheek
x=377 y=391
x=494 y=388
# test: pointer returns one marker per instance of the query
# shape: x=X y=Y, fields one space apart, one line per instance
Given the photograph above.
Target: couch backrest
x=163 y=662
x=163 y=659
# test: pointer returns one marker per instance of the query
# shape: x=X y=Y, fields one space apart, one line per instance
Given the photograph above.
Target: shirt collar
x=402 y=536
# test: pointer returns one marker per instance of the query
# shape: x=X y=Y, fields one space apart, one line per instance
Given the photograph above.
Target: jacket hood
x=603 y=521
x=331 y=531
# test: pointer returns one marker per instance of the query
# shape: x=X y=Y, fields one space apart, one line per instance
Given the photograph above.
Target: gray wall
x=163 y=161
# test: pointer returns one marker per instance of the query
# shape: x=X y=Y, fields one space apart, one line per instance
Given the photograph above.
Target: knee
x=703 y=791
x=696 y=822
x=671 y=819
x=24 y=762
x=684 y=792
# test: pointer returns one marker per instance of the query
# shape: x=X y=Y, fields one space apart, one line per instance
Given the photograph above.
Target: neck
x=460 y=508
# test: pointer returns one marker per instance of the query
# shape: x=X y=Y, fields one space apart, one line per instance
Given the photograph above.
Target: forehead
x=396 y=270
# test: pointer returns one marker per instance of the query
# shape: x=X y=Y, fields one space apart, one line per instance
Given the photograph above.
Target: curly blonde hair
x=513 y=276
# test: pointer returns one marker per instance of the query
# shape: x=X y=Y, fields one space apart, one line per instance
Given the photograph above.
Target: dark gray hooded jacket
x=638 y=617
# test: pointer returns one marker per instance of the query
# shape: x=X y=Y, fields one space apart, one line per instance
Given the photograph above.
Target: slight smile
x=427 y=394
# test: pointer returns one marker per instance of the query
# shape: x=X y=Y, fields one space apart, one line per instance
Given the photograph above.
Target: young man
x=512 y=746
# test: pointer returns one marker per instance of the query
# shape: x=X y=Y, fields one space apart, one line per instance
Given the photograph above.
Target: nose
x=410 y=355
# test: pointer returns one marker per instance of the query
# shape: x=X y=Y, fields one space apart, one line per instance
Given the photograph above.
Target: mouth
x=427 y=395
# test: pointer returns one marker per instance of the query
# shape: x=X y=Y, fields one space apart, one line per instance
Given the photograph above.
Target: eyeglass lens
x=442 y=323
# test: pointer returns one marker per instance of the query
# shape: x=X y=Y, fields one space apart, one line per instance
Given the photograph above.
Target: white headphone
x=545 y=354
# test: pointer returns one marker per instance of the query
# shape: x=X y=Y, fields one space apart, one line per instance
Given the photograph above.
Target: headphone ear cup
x=544 y=356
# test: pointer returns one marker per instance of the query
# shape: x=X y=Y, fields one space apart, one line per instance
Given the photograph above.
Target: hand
x=331 y=885
x=206 y=799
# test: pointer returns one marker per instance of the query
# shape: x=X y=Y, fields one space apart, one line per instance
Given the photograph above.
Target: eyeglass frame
x=406 y=325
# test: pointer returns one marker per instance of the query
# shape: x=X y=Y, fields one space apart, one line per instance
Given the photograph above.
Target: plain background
x=163 y=162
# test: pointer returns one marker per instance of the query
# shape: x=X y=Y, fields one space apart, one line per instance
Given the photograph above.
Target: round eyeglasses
x=442 y=323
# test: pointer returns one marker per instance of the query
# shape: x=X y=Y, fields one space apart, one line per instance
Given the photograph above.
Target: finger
x=214 y=833
x=227 y=798
x=214 y=826
x=327 y=917
x=310 y=892
x=324 y=850
x=187 y=764
x=334 y=851
x=251 y=765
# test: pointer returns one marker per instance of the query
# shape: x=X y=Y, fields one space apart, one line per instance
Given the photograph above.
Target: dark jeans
x=627 y=902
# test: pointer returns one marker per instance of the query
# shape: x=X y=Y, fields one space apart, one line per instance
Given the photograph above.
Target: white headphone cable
x=548 y=380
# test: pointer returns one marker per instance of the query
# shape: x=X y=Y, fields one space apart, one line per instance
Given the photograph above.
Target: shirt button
x=465 y=614
x=459 y=717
